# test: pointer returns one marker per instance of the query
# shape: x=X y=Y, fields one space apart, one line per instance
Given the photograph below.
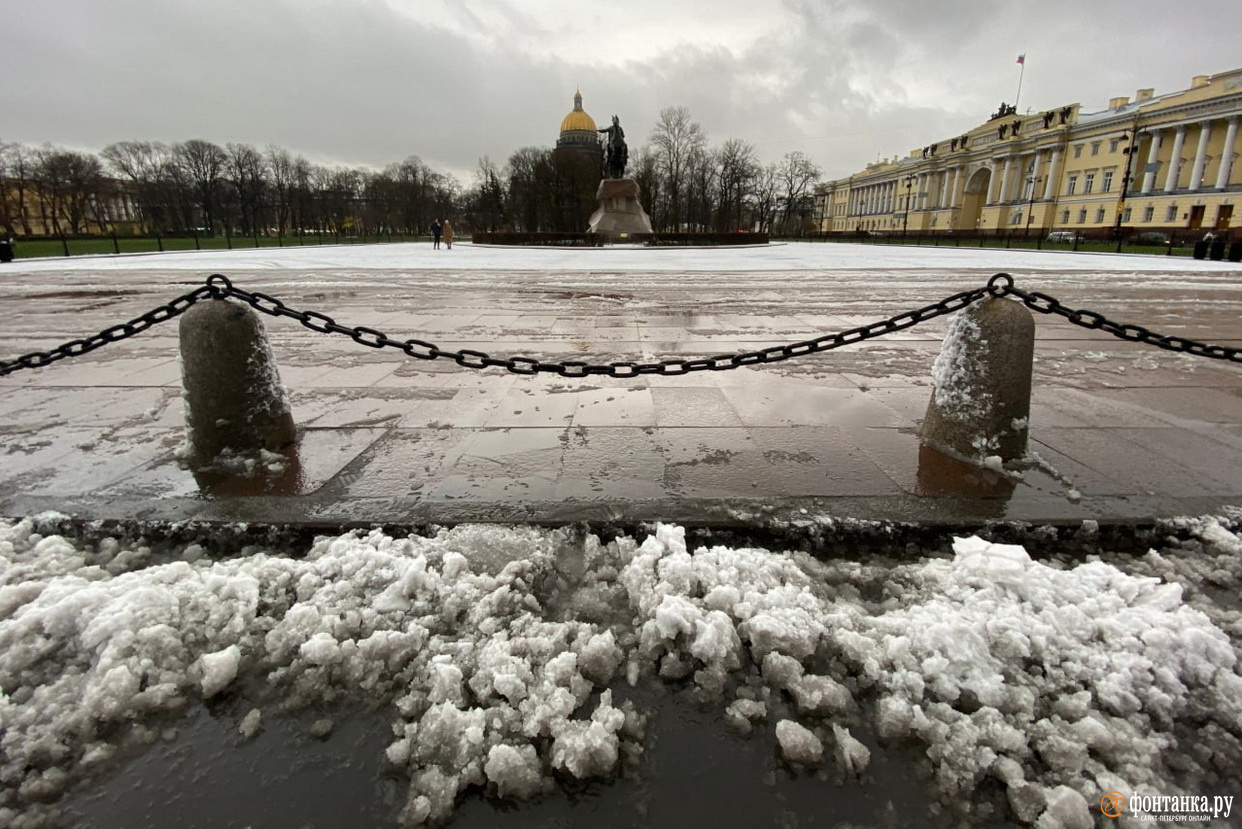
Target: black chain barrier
x=1000 y=285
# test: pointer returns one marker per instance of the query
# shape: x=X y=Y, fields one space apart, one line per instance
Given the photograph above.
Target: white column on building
x=1196 y=172
x=1054 y=170
x=1226 y=156
x=993 y=182
x=1036 y=159
x=1175 y=160
x=1153 y=155
x=1006 y=180
x=888 y=196
x=943 y=198
x=924 y=197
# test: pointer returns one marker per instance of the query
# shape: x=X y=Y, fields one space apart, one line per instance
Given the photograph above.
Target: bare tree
x=486 y=199
x=413 y=194
x=69 y=182
x=644 y=170
x=764 y=199
x=202 y=165
x=340 y=192
x=144 y=164
x=798 y=175
x=8 y=210
x=246 y=175
x=736 y=171
x=17 y=173
x=533 y=185
x=283 y=172
x=676 y=142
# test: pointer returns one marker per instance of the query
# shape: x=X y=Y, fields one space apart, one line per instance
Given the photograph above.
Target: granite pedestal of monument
x=619 y=214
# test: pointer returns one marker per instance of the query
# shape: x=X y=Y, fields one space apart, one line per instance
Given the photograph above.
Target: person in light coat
x=447 y=230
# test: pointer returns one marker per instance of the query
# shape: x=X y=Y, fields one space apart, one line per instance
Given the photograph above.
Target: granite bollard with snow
x=981 y=403
x=233 y=396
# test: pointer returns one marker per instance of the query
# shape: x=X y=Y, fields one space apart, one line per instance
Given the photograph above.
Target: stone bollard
x=981 y=403
x=233 y=396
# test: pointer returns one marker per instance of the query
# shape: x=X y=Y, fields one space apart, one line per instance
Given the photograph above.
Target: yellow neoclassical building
x=1062 y=169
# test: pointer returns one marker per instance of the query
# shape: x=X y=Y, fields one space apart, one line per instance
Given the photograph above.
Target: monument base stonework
x=619 y=214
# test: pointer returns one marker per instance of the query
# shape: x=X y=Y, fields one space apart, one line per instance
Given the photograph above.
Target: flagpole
x=1021 y=73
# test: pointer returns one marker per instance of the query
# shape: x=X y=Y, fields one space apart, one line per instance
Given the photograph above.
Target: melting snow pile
x=495 y=650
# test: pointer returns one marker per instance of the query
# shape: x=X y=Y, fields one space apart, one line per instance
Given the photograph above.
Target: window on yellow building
x=1078 y=151
x=1171 y=215
x=1107 y=183
x=1095 y=147
x=1089 y=184
x=1149 y=213
x=1099 y=216
x=1082 y=216
x=1072 y=187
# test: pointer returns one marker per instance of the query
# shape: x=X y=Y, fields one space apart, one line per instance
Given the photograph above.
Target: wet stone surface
x=1122 y=429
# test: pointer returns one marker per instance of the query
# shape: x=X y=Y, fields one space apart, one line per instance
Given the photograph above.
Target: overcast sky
x=372 y=82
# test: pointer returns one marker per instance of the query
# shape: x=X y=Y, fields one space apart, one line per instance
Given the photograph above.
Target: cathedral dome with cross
x=578 y=128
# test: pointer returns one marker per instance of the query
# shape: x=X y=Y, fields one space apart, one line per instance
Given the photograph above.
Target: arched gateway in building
x=974 y=196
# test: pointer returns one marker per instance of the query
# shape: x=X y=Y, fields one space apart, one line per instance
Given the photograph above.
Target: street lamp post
x=1132 y=136
x=905 y=218
x=1033 y=181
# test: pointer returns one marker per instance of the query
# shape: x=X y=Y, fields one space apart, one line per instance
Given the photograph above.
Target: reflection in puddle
x=267 y=473
x=694 y=770
x=941 y=475
x=204 y=773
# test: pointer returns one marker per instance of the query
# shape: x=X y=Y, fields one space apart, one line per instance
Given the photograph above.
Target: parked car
x=1150 y=237
x=1066 y=236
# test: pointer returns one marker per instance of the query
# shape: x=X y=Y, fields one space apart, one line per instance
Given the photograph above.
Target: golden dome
x=578 y=119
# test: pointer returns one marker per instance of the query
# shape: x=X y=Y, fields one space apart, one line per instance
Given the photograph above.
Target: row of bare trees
x=155 y=188
x=686 y=185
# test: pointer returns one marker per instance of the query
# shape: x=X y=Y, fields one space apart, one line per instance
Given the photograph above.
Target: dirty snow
x=495 y=651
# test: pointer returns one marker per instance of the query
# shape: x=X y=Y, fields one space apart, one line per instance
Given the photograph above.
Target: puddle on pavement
x=211 y=776
x=285 y=477
x=941 y=475
x=694 y=771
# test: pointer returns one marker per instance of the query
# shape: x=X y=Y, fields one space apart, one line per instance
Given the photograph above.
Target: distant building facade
x=1158 y=162
x=579 y=161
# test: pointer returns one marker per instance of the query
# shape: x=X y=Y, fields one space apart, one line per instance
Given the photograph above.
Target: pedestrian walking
x=448 y=234
x=436 y=230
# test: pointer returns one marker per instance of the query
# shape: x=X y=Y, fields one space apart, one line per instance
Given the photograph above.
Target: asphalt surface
x=1120 y=431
